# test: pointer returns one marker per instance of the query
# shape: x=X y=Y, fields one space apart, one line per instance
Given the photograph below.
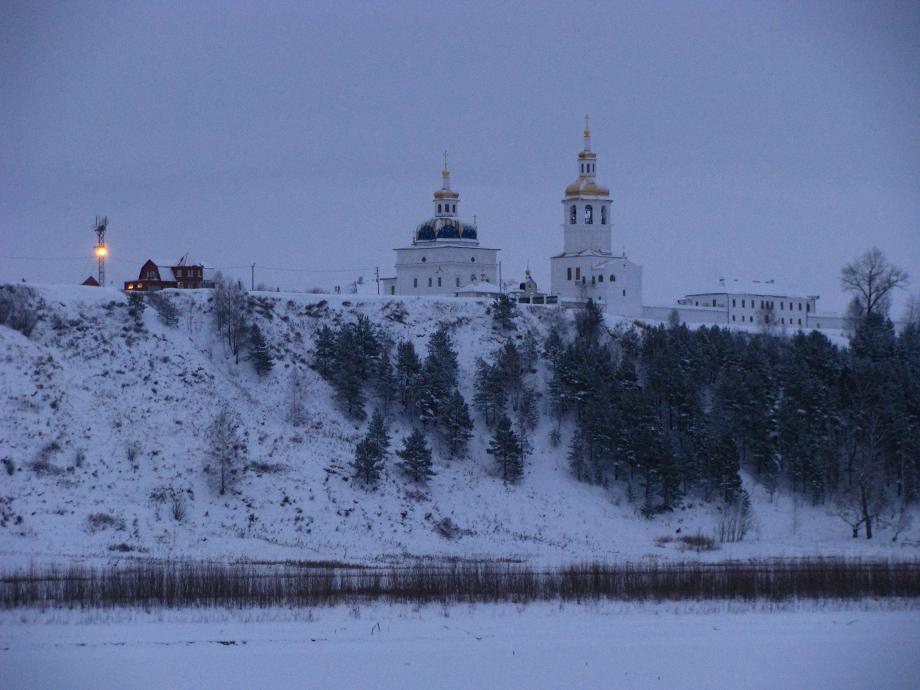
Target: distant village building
x=758 y=302
x=90 y=282
x=179 y=274
x=761 y=303
x=587 y=268
x=445 y=255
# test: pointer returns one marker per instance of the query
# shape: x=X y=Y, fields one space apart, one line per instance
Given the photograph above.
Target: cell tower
x=102 y=224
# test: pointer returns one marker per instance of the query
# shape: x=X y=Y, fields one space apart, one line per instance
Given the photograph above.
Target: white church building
x=588 y=268
x=444 y=256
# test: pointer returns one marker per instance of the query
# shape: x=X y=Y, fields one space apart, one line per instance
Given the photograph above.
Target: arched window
x=589 y=214
x=453 y=208
x=439 y=208
x=573 y=215
x=613 y=278
x=603 y=215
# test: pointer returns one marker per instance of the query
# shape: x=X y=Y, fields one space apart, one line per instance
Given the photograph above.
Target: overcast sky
x=762 y=140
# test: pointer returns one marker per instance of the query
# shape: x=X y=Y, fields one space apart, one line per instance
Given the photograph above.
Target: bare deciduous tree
x=871 y=279
x=230 y=307
x=227 y=447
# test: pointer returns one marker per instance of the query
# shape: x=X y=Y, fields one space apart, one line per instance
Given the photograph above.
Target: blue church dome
x=444 y=229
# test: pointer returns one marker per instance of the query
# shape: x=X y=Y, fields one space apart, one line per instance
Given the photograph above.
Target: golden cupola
x=586 y=185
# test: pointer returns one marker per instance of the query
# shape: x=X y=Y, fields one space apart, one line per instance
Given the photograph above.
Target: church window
x=429 y=282
x=439 y=208
x=569 y=273
x=573 y=215
x=472 y=277
x=800 y=322
x=624 y=292
x=453 y=208
x=424 y=259
x=592 y=280
x=713 y=302
x=600 y=279
x=613 y=278
x=808 y=309
x=473 y=259
x=439 y=281
x=733 y=302
x=733 y=317
x=578 y=273
x=603 y=215
x=800 y=306
x=458 y=281
x=415 y=282
x=742 y=304
x=589 y=214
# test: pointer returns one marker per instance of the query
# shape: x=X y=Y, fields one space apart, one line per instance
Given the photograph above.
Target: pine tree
x=367 y=463
x=725 y=462
x=324 y=351
x=530 y=350
x=489 y=397
x=505 y=447
x=416 y=457
x=577 y=458
x=349 y=375
x=371 y=451
x=457 y=425
x=136 y=306
x=439 y=377
x=508 y=365
x=408 y=373
x=385 y=383
x=553 y=346
x=259 y=353
x=503 y=312
x=378 y=436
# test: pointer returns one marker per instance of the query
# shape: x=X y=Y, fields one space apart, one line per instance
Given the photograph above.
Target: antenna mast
x=102 y=224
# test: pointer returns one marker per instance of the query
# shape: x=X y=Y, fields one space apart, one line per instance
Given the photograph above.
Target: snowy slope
x=97 y=417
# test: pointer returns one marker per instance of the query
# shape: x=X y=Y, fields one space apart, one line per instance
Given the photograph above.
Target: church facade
x=588 y=268
x=444 y=255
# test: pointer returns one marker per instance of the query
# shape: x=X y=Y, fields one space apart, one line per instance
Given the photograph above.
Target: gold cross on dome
x=445 y=160
x=587 y=129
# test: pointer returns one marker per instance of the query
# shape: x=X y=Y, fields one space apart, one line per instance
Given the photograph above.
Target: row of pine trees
x=670 y=412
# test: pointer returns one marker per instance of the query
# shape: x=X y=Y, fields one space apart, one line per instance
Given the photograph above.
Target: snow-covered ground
x=494 y=646
x=96 y=417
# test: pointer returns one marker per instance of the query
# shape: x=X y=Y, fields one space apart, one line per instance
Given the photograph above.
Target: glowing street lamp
x=102 y=251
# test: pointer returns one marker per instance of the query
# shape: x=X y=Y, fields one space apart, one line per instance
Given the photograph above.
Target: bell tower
x=586 y=205
x=587 y=268
x=445 y=199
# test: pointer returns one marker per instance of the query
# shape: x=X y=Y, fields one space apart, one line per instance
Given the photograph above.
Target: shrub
x=166 y=311
x=18 y=308
x=9 y=465
x=736 y=520
x=102 y=521
x=697 y=542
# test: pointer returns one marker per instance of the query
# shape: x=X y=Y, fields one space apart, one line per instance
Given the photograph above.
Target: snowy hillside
x=102 y=436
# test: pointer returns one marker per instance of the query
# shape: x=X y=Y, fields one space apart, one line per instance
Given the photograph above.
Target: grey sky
x=749 y=139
